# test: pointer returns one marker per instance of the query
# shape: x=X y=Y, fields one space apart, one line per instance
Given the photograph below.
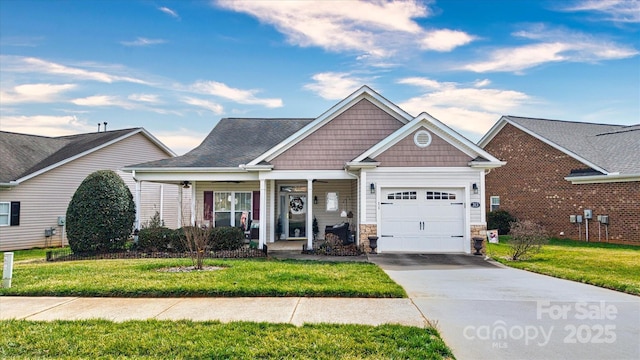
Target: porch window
x=495 y=203
x=229 y=207
x=4 y=213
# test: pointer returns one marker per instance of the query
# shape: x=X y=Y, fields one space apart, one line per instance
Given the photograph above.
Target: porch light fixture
x=186 y=184
x=372 y=187
x=475 y=188
x=315 y=200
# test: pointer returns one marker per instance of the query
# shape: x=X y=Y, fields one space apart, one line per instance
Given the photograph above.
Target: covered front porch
x=269 y=206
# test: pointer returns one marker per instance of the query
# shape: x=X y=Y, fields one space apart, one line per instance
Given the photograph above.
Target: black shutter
x=15 y=213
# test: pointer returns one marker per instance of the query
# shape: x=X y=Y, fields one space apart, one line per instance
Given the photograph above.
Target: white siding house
x=41 y=174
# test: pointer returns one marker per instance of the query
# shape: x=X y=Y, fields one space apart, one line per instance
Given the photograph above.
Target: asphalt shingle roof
x=233 y=141
x=23 y=154
x=614 y=148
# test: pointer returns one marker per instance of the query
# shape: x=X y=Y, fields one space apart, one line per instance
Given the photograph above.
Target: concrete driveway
x=487 y=311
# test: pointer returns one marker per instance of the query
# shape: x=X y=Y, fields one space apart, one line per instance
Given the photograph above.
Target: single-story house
x=40 y=174
x=365 y=163
x=560 y=173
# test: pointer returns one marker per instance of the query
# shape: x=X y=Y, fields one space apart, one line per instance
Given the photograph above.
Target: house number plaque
x=475 y=204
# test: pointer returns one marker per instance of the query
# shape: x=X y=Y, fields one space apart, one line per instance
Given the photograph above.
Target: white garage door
x=422 y=220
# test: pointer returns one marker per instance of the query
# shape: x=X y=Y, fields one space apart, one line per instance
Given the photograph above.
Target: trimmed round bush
x=101 y=214
x=226 y=238
x=501 y=220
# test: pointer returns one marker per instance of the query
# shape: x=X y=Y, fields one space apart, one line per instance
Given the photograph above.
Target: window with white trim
x=438 y=195
x=494 y=203
x=229 y=207
x=5 y=213
x=402 y=195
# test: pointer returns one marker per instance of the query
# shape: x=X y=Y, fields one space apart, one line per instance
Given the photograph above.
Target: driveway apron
x=484 y=310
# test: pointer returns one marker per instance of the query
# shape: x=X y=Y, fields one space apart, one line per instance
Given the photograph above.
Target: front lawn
x=606 y=265
x=154 y=339
x=242 y=277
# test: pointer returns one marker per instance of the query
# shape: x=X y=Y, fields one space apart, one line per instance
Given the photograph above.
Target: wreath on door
x=296 y=205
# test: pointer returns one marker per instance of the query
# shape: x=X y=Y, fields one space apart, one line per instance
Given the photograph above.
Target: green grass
x=32 y=254
x=154 y=339
x=256 y=277
x=606 y=265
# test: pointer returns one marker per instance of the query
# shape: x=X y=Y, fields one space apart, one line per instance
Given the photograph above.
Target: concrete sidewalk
x=293 y=310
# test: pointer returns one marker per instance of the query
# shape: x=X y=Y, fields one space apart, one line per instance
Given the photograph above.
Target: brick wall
x=367 y=230
x=479 y=231
x=532 y=186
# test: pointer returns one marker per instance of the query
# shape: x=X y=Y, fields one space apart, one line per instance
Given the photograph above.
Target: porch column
x=262 y=232
x=272 y=211
x=180 y=208
x=193 y=203
x=137 y=201
x=161 y=203
x=309 y=213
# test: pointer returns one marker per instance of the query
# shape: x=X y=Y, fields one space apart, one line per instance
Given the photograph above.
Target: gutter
x=592 y=179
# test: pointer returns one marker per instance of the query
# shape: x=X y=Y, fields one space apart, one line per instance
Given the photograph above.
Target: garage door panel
x=433 y=221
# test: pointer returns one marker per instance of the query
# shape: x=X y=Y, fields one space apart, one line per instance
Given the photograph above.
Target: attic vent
x=422 y=138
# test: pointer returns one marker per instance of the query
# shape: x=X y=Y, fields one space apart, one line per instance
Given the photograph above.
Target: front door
x=297 y=224
x=292 y=218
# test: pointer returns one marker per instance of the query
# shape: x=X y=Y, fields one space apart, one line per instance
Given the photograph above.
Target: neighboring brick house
x=556 y=169
x=365 y=166
x=40 y=174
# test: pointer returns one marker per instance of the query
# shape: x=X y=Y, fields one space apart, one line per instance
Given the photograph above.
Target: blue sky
x=177 y=67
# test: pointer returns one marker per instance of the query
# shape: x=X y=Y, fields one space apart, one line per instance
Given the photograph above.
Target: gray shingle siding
x=613 y=148
x=23 y=154
x=233 y=141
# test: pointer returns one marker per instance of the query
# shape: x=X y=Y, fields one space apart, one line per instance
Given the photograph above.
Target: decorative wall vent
x=422 y=138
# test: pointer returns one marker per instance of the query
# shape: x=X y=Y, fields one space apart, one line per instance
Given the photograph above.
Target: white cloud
x=619 y=11
x=145 y=98
x=205 y=104
x=467 y=108
x=181 y=140
x=445 y=40
x=482 y=83
x=169 y=12
x=425 y=83
x=97 y=100
x=552 y=46
x=238 y=95
x=334 y=86
x=143 y=42
x=35 y=65
x=377 y=28
x=45 y=125
x=34 y=93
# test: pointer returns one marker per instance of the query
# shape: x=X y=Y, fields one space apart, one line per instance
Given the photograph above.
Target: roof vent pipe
x=98 y=127
x=105 y=126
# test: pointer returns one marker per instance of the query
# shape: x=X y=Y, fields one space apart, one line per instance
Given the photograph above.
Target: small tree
x=195 y=240
x=101 y=213
x=153 y=222
x=501 y=220
x=527 y=238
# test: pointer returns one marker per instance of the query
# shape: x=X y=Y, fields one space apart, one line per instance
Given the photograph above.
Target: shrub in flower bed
x=162 y=239
x=158 y=239
x=226 y=238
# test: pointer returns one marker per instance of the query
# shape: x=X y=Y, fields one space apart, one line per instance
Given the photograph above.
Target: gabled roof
x=481 y=158
x=364 y=92
x=609 y=149
x=25 y=156
x=232 y=142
